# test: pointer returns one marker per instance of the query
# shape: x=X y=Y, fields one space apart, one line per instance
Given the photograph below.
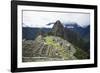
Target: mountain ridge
x=58 y=43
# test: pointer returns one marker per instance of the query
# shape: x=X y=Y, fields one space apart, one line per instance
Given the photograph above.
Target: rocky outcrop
x=58 y=29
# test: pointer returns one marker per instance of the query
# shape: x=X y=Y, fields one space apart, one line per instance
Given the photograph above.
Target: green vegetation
x=80 y=54
x=62 y=52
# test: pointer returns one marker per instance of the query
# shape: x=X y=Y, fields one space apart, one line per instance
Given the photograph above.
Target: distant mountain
x=84 y=32
x=29 y=33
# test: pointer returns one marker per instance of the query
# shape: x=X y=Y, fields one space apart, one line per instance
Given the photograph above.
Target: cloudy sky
x=41 y=19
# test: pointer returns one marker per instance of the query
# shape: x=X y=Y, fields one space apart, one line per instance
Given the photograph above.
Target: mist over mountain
x=55 y=43
x=30 y=32
x=82 y=31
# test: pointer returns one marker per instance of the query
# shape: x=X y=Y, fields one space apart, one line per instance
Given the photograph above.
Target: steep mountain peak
x=58 y=22
x=58 y=28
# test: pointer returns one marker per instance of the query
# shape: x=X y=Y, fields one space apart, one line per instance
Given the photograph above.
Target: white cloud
x=40 y=19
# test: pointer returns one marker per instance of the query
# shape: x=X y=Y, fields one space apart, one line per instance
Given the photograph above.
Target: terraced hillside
x=48 y=48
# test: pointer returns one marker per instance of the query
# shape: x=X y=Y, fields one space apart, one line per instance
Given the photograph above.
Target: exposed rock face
x=51 y=48
x=58 y=29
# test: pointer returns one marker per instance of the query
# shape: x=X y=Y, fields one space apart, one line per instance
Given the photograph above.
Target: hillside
x=49 y=48
x=56 y=44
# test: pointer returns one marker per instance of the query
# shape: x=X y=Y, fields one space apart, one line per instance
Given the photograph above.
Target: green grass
x=49 y=41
